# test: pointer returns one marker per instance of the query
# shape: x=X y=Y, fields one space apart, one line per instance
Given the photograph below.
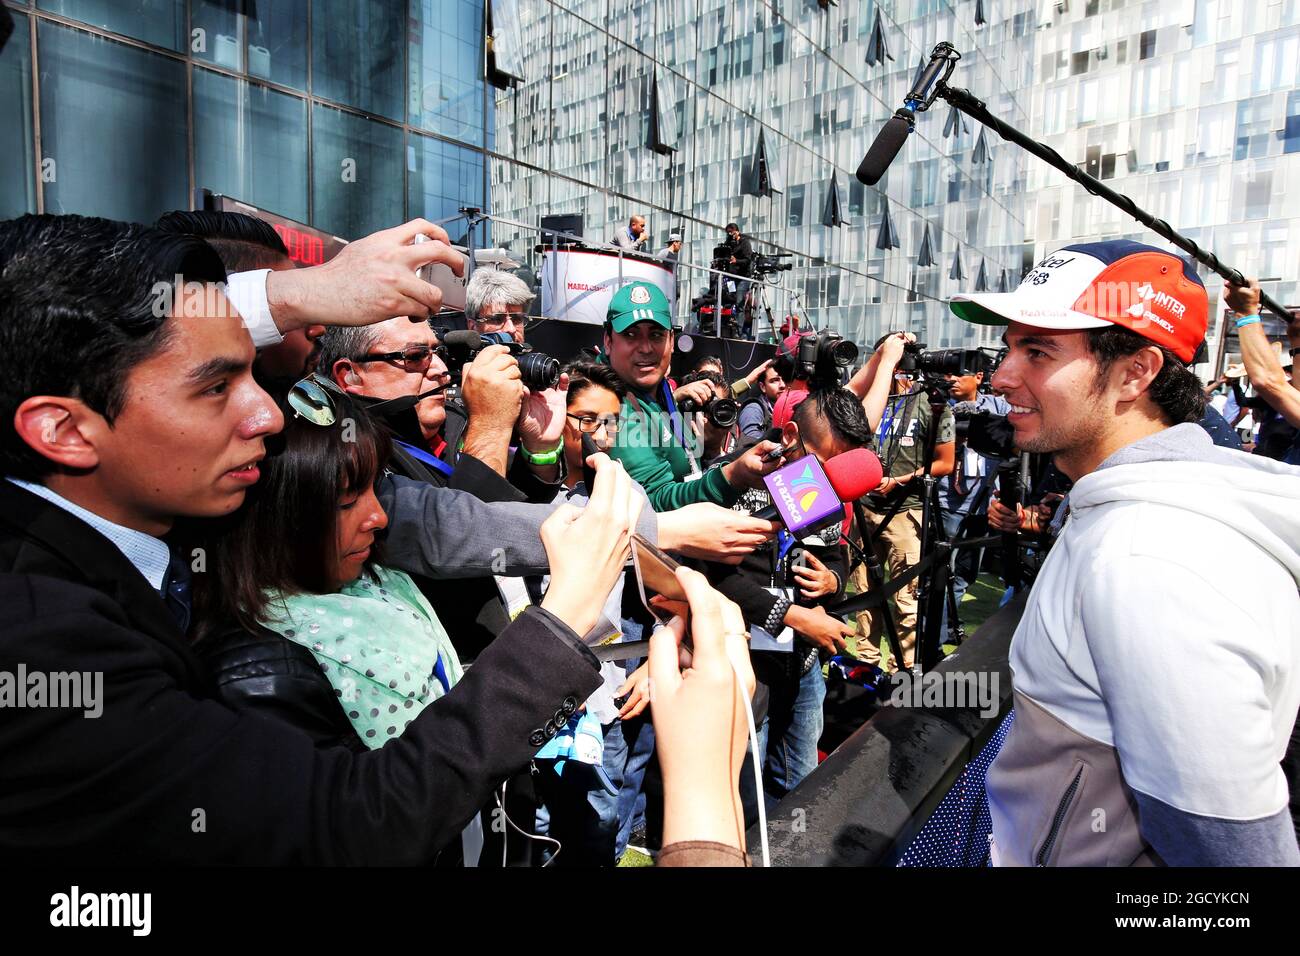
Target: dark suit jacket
x=167 y=774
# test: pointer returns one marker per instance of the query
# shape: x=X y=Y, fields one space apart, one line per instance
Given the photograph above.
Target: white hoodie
x=1156 y=667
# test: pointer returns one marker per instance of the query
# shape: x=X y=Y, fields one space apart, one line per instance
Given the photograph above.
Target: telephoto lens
x=723 y=412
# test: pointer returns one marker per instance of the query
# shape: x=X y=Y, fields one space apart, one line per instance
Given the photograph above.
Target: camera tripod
x=933 y=572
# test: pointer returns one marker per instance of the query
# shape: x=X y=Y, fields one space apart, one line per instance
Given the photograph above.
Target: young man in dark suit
x=130 y=403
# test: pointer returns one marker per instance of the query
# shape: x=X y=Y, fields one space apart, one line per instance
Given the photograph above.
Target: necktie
x=176 y=592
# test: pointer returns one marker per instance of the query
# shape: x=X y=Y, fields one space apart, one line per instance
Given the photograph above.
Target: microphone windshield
x=854 y=474
x=888 y=142
x=463 y=338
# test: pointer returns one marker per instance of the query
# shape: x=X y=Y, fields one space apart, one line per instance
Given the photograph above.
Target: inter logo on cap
x=640 y=295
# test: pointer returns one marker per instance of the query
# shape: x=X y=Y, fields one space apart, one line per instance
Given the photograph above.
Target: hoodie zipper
x=1057 y=820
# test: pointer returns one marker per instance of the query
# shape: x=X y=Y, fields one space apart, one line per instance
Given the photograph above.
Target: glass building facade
x=718 y=81
x=352 y=115
x=348 y=115
x=1191 y=108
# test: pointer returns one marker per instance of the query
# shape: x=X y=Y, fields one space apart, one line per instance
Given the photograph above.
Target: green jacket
x=656 y=460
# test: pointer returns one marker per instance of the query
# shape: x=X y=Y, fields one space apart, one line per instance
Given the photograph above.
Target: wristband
x=1247 y=320
x=542 y=458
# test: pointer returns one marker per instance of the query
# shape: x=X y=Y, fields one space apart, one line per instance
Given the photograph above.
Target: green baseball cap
x=639 y=302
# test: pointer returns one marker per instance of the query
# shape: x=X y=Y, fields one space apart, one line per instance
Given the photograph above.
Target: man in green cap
x=653 y=439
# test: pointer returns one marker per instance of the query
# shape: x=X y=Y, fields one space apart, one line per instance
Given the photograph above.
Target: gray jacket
x=443 y=533
x=1155 y=667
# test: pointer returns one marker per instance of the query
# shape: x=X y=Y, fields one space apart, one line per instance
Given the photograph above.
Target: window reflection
x=112 y=125
x=250 y=143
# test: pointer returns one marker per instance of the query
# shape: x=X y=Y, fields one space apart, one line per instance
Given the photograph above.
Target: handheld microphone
x=466 y=339
x=807 y=497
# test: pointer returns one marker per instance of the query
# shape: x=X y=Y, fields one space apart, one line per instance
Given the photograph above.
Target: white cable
x=523 y=833
x=758 y=763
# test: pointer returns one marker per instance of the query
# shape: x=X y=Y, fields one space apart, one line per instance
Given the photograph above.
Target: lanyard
x=426 y=457
x=887 y=424
x=440 y=672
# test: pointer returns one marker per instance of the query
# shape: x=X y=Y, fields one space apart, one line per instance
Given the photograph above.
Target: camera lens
x=538 y=371
x=844 y=353
x=723 y=412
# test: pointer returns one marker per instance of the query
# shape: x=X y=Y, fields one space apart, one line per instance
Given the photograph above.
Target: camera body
x=939 y=362
x=767 y=264
x=823 y=357
x=721 y=412
x=537 y=370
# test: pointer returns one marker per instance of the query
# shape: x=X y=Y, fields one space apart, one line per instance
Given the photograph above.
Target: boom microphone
x=893 y=134
x=807 y=497
x=888 y=142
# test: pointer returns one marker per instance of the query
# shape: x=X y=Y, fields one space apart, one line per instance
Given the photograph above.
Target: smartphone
x=588 y=473
x=656 y=573
x=439 y=274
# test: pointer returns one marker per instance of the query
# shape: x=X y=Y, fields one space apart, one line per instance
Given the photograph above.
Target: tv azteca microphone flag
x=803 y=496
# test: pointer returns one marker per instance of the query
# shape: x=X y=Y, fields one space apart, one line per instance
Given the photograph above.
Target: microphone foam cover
x=886 y=146
x=854 y=473
x=463 y=338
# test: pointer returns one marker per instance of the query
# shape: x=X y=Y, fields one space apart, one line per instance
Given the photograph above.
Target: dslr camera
x=537 y=369
x=721 y=412
x=822 y=358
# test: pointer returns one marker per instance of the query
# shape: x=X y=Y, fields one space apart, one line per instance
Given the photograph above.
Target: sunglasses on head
x=318 y=402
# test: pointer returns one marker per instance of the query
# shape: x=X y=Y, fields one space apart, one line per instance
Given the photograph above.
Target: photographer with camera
x=900 y=441
x=652 y=442
x=399 y=359
x=715 y=422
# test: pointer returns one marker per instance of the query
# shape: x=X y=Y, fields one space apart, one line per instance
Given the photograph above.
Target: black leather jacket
x=264 y=673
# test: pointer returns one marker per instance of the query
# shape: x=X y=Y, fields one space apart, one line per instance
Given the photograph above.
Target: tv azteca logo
x=806 y=488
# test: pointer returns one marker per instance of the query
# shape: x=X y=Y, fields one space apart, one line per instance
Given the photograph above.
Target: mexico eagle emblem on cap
x=640 y=294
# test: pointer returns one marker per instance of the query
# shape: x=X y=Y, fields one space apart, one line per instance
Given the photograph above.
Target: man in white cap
x=1152 y=706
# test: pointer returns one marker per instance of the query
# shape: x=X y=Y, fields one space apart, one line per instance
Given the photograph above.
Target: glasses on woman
x=590 y=424
x=413 y=358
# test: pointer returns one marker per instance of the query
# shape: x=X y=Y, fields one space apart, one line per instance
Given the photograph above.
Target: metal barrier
x=867 y=801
